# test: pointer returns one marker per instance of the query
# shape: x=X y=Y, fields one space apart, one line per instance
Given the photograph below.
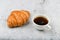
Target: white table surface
x=51 y=8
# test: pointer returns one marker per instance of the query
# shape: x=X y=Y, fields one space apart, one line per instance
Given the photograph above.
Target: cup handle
x=48 y=27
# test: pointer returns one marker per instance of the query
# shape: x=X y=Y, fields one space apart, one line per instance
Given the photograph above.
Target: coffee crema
x=40 y=20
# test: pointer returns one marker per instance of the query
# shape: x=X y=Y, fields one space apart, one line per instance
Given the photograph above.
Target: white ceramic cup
x=42 y=27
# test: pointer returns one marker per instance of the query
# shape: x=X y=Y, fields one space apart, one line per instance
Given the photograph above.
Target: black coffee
x=40 y=20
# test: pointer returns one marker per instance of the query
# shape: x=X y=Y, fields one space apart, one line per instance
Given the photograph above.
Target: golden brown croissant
x=18 y=18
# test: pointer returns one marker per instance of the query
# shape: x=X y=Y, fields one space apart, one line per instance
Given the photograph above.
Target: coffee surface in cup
x=40 y=21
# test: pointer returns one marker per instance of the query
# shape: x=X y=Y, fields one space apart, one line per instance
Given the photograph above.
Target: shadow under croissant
x=26 y=24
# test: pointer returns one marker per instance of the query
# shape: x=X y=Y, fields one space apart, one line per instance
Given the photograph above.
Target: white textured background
x=51 y=8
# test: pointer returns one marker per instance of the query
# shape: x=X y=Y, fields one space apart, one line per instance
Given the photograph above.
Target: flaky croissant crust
x=17 y=18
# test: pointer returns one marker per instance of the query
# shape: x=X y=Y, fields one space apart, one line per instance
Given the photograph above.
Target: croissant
x=17 y=18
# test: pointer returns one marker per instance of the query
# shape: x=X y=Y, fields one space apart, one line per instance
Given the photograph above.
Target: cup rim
x=41 y=16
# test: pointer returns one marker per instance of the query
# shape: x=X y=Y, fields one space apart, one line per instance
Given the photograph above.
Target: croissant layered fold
x=17 y=18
